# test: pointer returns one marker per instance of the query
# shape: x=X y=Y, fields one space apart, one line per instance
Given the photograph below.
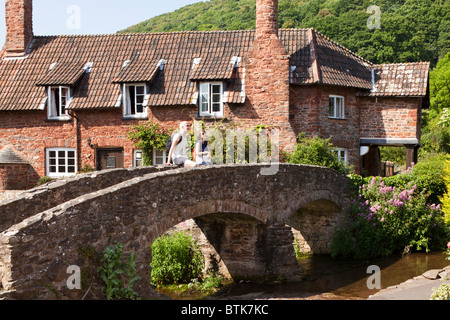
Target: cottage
x=67 y=101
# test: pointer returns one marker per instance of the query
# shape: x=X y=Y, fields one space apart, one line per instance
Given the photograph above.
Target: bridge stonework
x=311 y=201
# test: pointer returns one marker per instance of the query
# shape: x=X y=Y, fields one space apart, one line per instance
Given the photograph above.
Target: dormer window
x=211 y=102
x=59 y=98
x=134 y=100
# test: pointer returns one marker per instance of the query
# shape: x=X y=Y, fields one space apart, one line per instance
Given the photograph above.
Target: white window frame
x=341 y=158
x=58 y=165
x=138 y=156
x=336 y=111
x=127 y=112
x=54 y=108
x=157 y=156
x=206 y=96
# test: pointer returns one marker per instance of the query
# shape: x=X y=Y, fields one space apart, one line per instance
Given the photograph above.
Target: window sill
x=332 y=118
x=60 y=119
x=210 y=118
x=134 y=118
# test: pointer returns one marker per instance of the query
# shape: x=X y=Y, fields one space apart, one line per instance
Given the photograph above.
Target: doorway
x=109 y=158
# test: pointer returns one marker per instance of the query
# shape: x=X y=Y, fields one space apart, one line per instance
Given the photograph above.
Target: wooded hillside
x=410 y=30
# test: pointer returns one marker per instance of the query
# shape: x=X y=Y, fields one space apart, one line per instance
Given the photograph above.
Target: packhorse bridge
x=250 y=221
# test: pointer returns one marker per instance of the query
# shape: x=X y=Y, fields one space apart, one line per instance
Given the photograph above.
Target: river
x=339 y=279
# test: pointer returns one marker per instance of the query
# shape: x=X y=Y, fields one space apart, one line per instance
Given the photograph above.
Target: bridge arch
x=135 y=212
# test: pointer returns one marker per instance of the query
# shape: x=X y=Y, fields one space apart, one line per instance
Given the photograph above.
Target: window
x=336 y=107
x=138 y=158
x=341 y=154
x=211 y=104
x=61 y=162
x=58 y=100
x=159 y=157
x=134 y=99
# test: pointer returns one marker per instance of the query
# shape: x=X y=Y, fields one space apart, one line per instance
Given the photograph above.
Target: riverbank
x=417 y=288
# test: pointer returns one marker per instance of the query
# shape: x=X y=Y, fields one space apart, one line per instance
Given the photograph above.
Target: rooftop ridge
x=342 y=47
x=156 y=33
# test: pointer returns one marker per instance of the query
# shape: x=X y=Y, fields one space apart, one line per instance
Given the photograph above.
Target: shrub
x=176 y=258
x=316 y=151
x=427 y=174
x=386 y=218
x=44 y=180
x=445 y=200
x=441 y=293
x=118 y=274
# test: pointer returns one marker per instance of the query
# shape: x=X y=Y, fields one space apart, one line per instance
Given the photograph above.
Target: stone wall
x=52 y=194
x=36 y=252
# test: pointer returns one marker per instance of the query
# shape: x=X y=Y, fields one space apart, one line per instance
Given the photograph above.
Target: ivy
x=148 y=136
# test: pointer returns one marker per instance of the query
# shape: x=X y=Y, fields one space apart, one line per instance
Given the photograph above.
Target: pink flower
x=448 y=245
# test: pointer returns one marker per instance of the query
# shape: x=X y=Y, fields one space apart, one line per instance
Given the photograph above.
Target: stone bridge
x=250 y=221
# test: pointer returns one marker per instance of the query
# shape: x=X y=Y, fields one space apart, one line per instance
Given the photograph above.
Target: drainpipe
x=77 y=140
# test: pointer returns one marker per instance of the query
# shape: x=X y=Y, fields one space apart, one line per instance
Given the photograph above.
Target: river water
x=339 y=279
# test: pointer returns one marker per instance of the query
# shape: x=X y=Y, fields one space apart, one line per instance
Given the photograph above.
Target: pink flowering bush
x=386 y=218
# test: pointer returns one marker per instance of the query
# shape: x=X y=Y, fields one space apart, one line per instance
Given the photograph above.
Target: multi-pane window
x=61 y=162
x=159 y=157
x=58 y=100
x=336 y=107
x=138 y=158
x=341 y=154
x=134 y=100
x=211 y=99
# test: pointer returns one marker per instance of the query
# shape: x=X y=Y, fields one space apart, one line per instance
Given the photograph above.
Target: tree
x=440 y=85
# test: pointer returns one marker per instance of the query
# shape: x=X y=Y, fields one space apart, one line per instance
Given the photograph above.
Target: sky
x=65 y=17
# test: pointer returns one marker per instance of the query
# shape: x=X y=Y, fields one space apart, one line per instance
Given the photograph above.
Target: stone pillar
x=19 y=26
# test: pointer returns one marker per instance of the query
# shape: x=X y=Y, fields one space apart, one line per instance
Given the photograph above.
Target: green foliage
x=411 y=30
x=44 y=180
x=231 y=143
x=316 y=151
x=440 y=87
x=118 y=274
x=445 y=199
x=86 y=168
x=427 y=174
x=176 y=258
x=441 y=293
x=147 y=137
x=387 y=218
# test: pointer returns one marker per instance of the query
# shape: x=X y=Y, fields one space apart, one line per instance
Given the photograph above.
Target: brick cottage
x=68 y=101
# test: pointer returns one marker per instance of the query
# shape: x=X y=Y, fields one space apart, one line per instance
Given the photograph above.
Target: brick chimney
x=267 y=74
x=19 y=27
x=266 y=18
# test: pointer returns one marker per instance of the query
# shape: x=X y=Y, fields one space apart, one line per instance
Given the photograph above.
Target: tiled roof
x=213 y=68
x=8 y=156
x=67 y=73
x=122 y=58
x=402 y=79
